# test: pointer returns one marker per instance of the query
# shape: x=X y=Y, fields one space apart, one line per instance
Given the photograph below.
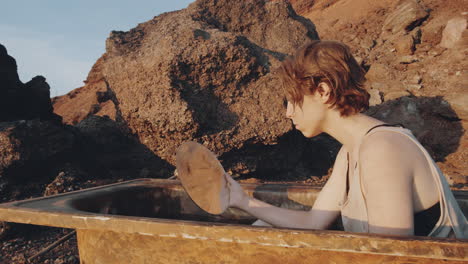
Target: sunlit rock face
x=204 y=73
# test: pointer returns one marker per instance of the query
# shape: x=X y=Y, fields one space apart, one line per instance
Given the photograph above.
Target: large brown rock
x=92 y=99
x=95 y=98
x=203 y=73
x=405 y=17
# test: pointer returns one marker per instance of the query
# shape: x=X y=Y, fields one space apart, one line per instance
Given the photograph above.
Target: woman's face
x=309 y=118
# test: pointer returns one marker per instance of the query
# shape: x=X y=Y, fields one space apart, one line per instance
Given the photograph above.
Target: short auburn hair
x=330 y=62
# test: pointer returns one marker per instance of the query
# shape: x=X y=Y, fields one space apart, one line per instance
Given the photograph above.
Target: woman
x=383 y=180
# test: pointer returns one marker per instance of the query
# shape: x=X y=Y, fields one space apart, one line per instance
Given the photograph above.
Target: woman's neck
x=349 y=130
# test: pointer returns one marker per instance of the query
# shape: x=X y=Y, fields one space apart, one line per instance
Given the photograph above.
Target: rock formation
x=22 y=101
x=32 y=138
x=205 y=74
x=92 y=99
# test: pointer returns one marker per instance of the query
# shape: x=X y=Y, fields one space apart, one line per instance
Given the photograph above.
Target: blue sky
x=61 y=39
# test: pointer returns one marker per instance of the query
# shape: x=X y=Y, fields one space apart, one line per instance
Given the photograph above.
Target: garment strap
x=387 y=125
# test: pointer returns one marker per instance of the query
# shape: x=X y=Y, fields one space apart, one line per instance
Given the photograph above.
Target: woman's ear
x=324 y=91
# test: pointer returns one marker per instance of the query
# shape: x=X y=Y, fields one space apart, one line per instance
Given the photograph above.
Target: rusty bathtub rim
x=327 y=240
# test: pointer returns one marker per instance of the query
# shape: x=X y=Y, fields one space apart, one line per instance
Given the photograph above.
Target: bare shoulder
x=386 y=152
x=386 y=138
x=394 y=167
x=384 y=143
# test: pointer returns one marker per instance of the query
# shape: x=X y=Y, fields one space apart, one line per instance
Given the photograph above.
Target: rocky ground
x=208 y=80
x=26 y=245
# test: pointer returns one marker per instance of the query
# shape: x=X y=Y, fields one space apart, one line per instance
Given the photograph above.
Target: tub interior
x=166 y=199
x=172 y=202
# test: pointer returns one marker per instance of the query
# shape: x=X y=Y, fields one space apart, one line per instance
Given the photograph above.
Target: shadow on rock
x=292 y=158
x=431 y=119
x=30 y=149
x=45 y=158
x=115 y=153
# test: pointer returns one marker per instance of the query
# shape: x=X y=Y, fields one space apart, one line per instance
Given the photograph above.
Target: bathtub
x=154 y=221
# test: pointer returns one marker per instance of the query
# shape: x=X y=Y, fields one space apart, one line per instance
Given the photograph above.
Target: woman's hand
x=237 y=197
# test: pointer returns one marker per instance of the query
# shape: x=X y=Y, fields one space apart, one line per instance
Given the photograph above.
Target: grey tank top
x=451 y=222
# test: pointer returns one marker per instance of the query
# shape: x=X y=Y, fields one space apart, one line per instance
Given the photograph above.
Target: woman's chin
x=310 y=134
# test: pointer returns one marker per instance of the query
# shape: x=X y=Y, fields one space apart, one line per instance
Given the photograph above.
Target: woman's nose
x=289 y=110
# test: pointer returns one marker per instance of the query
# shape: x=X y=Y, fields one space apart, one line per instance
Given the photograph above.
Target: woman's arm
x=325 y=210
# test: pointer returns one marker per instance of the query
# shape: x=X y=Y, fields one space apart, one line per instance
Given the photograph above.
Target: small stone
x=436 y=51
x=59 y=261
x=378 y=71
x=458 y=73
x=413 y=87
x=375 y=97
x=453 y=32
x=405 y=45
x=380 y=86
x=358 y=59
x=315 y=178
x=416 y=79
x=407 y=59
x=394 y=95
x=368 y=43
